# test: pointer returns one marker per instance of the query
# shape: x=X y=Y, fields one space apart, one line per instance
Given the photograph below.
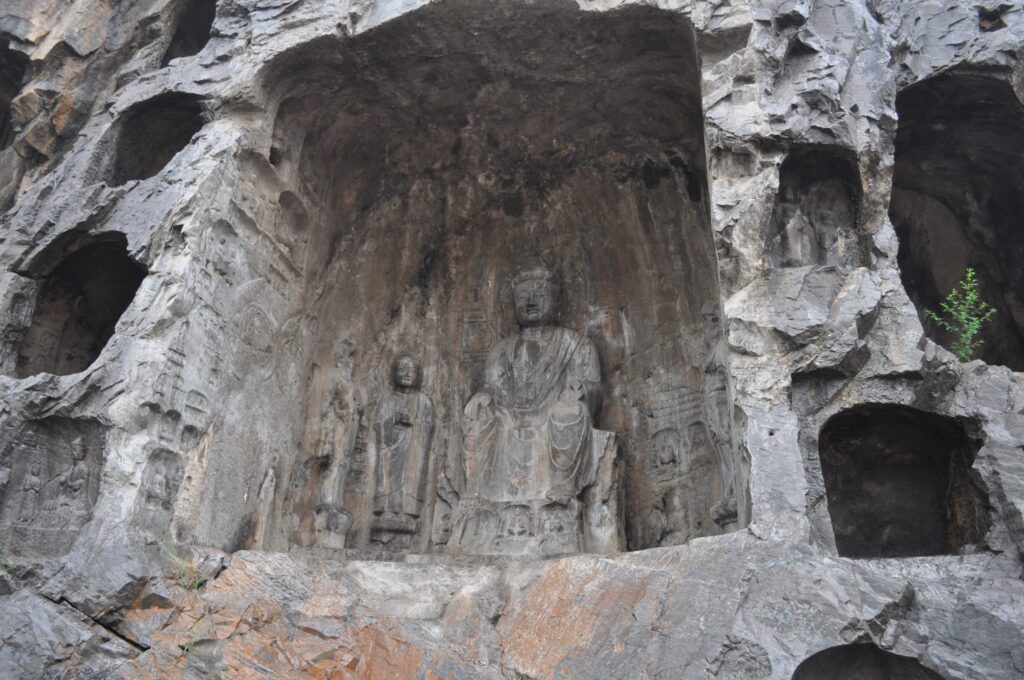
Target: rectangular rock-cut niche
x=161 y=478
x=50 y=475
x=466 y=144
x=899 y=483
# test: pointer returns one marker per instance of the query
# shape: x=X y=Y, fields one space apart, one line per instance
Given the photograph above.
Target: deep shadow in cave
x=957 y=200
x=151 y=133
x=13 y=67
x=465 y=139
x=815 y=215
x=192 y=31
x=899 y=483
x=78 y=306
x=862 y=662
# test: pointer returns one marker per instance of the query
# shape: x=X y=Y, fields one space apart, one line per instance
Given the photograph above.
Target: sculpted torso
x=527 y=434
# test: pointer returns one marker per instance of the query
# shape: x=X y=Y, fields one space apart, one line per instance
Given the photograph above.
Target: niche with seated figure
x=192 y=31
x=519 y=185
x=815 y=215
x=862 y=662
x=152 y=133
x=77 y=307
x=899 y=483
x=957 y=198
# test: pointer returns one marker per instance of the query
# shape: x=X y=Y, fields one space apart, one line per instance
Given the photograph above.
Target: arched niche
x=899 y=483
x=78 y=304
x=437 y=153
x=13 y=68
x=862 y=662
x=151 y=133
x=192 y=29
x=814 y=220
x=958 y=193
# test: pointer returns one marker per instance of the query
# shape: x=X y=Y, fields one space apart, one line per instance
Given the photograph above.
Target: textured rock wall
x=745 y=199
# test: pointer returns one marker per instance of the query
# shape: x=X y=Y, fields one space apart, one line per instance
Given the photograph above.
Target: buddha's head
x=405 y=372
x=535 y=293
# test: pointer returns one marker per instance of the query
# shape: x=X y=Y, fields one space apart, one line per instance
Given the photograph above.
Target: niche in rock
x=192 y=31
x=77 y=307
x=463 y=141
x=50 y=472
x=899 y=483
x=151 y=133
x=958 y=194
x=862 y=662
x=815 y=215
x=13 y=67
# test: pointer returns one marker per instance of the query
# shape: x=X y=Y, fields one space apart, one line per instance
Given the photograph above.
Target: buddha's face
x=535 y=301
x=406 y=372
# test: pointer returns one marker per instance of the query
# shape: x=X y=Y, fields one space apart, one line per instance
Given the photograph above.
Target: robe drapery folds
x=526 y=433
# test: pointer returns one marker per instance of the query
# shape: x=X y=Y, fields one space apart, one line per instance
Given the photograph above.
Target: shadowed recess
x=151 y=133
x=13 y=67
x=862 y=662
x=192 y=31
x=815 y=215
x=77 y=308
x=438 y=153
x=957 y=200
x=899 y=483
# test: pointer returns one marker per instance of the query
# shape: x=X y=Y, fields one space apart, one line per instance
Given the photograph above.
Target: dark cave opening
x=861 y=662
x=152 y=133
x=815 y=215
x=899 y=483
x=958 y=194
x=13 y=68
x=78 y=306
x=192 y=31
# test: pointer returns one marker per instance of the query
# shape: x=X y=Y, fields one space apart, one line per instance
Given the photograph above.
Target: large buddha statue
x=538 y=478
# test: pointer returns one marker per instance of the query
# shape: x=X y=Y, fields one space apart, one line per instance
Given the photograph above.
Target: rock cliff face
x=284 y=391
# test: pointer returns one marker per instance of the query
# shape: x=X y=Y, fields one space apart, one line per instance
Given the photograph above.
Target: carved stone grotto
x=862 y=662
x=72 y=312
x=958 y=193
x=192 y=29
x=492 y=163
x=493 y=339
x=899 y=483
x=151 y=133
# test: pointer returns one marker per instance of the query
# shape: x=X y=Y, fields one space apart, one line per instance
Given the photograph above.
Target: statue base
x=558 y=524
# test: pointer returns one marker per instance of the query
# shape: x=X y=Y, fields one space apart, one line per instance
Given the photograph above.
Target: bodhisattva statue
x=538 y=478
x=405 y=428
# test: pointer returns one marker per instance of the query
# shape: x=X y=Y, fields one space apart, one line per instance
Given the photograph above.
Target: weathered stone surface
x=257 y=259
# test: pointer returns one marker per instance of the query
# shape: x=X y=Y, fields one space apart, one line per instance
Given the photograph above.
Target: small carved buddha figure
x=404 y=430
x=527 y=434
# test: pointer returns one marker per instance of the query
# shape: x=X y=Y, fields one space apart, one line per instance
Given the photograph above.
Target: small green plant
x=5 y=561
x=194 y=634
x=185 y=575
x=963 y=314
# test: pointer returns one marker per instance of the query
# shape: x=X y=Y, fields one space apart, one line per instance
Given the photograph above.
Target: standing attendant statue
x=404 y=431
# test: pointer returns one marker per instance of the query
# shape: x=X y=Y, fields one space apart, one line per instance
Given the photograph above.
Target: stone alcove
x=958 y=193
x=899 y=483
x=13 y=67
x=814 y=219
x=435 y=155
x=191 y=30
x=13 y=70
x=79 y=299
x=149 y=134
x=862 y=662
